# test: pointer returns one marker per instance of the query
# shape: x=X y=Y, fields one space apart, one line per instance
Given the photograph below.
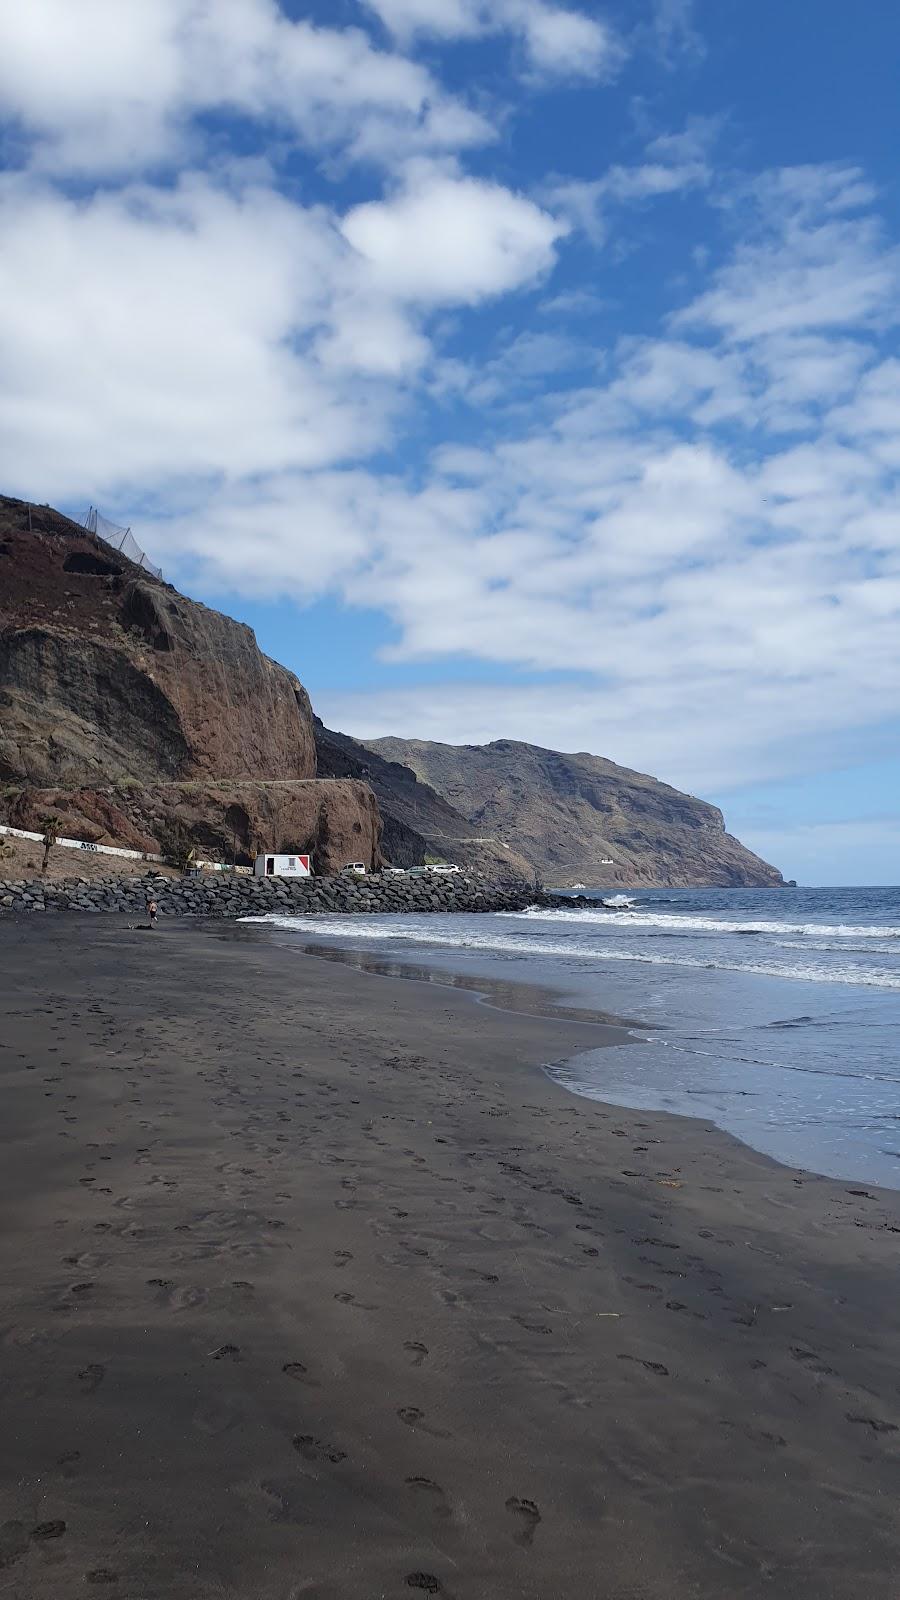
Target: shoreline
x=313 y=1286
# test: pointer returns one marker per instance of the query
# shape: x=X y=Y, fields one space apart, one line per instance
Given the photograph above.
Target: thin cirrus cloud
x=557 y=40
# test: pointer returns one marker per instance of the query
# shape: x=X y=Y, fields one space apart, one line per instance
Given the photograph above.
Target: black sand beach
x=314 y=1287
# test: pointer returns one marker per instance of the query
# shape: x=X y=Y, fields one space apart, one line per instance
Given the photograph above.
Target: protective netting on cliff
x=121 y=539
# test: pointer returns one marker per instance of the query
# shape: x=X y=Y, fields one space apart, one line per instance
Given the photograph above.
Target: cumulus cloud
x=111 y=87
x=146 y=334
x=452 y=239
x=199 y=330
x=704 y=539
x=682 y=547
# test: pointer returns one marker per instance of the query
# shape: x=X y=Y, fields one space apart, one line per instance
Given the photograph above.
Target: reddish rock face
x=336 y=822
x=107 y=673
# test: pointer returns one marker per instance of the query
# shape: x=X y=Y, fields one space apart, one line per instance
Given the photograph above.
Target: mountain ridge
x=138 y=714
x=581 y=817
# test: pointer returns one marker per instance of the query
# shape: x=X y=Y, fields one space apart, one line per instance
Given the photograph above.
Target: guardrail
x=116 y=850
x=83 y=844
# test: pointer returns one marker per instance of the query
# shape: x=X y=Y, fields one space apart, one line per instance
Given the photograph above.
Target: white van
x=359 y=867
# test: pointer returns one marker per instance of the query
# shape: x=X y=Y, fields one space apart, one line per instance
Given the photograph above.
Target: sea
x=773 y=1013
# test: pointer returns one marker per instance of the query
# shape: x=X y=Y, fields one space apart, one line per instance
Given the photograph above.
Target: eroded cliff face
x=108 y=673
x=419 y=823
x=581 y=818
x=229 y=820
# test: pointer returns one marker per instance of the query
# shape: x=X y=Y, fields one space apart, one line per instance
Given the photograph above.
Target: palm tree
x=50 y=830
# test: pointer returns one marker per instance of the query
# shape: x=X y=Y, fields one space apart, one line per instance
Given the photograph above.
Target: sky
x=516 y=368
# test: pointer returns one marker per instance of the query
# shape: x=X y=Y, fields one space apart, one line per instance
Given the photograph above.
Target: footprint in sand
x=299 y=1373
x=529 y=1517
x=651 y=1366
x=877 y=1424
x=91 y=1377
x=426 y=1581
x=417 y=1351
x=312 y=1449
x=414 y=1418
x=431 y=1494
x=48 y=1530
x=190 y=1299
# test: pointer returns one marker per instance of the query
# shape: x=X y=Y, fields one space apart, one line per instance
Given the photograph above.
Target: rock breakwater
x=230 y=895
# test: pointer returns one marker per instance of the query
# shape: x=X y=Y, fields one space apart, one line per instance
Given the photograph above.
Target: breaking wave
x=448 y=933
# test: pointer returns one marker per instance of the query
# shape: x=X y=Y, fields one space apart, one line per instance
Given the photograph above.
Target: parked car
x=417 y=872
x=395 y=871
x=441 y=866
x=357 y=867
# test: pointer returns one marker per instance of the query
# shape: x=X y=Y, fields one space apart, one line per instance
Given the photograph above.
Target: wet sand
x=314 y=1287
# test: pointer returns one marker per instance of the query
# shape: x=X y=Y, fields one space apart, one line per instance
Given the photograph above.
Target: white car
x=394 y=872
x=441 y=866
x=358 y=867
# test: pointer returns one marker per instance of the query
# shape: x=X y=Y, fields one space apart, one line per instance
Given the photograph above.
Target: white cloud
x=154 y=334
x=707 y=536
x=452 y=239
x=674 y=31
x=111 y=86
x=150 y=334
x=677 y=162
x=704 y=528
x=808 y=267
x=559 y=40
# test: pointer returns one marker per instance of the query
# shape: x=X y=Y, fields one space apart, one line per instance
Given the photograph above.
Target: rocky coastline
x=229 y=895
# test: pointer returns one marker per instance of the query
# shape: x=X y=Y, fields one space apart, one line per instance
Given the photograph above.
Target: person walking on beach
x=152 y=912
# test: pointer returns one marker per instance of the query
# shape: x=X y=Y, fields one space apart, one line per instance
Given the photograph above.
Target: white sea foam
x=640 y=919
x=492 y=940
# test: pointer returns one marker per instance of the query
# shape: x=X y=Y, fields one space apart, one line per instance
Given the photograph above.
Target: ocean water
x=772 y=1013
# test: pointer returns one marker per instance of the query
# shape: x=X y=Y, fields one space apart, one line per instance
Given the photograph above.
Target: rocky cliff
x=106 y=672
x=419 y=823
x=141 y=717
x=580 y=818
x=137 y=714
x=334 y=822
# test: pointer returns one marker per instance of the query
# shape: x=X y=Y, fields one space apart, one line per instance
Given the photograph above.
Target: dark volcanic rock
x=227 y=895
x=567 y=813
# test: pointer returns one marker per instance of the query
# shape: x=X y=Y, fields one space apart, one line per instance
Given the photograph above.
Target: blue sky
x=517 y=368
